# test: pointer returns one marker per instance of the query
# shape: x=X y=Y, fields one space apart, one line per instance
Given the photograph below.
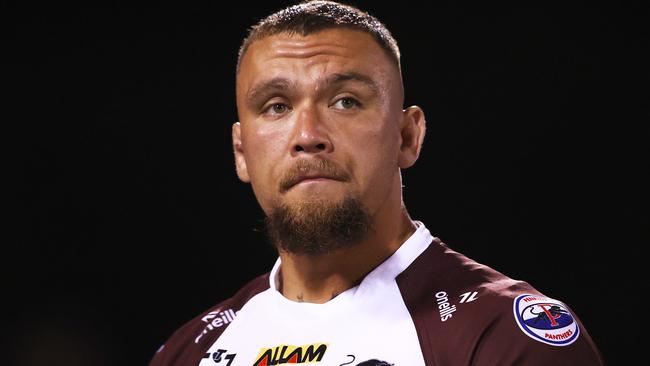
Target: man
x=322 y=138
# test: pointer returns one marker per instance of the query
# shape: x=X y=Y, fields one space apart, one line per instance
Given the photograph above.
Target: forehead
x=328 y=51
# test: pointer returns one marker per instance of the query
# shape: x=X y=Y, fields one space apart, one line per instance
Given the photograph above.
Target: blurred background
x=126 y=218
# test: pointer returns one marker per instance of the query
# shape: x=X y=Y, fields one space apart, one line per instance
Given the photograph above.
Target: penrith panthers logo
x=545 y=320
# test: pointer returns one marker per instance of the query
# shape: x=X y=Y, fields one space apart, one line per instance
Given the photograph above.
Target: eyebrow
x=275 y=84
x=282 y=84
x=352 y=76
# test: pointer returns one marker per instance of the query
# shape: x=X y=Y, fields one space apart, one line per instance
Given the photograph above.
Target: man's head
x=322 y=133
x=313 y=16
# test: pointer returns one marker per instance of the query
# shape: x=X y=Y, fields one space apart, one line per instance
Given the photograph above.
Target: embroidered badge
x=545 y=320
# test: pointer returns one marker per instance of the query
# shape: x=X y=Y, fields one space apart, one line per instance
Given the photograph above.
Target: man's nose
x=310 y=133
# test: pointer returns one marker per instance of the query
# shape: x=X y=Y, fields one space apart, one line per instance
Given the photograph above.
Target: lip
x=312 y=179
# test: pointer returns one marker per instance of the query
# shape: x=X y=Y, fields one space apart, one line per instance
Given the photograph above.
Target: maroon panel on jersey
x=463 y=313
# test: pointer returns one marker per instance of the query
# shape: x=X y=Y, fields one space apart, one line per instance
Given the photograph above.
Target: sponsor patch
x=284 y=354
x=545 y=320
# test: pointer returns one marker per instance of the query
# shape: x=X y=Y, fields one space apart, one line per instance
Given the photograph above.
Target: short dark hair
x=314 y=16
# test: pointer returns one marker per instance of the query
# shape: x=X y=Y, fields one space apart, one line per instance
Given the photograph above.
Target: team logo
x=545 y=320
x=285 y=354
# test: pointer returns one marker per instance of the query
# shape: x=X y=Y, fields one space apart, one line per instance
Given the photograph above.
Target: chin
x=318 y=226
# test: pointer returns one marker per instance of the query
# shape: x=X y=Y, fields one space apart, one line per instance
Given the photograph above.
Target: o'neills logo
x=444 y=306
x=216 y=319
x=545 y=320
x=290 y=354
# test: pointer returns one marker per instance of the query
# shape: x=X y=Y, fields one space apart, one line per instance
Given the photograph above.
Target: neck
x=318 y=279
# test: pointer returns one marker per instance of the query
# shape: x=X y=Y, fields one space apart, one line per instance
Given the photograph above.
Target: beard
x=318 y=227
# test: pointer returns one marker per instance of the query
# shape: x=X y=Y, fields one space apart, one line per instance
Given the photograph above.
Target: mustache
x=312 y=167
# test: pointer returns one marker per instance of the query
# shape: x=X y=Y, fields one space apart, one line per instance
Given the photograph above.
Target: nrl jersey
x=424 y=305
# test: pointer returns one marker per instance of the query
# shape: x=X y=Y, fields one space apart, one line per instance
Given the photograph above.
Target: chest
x=265 y=334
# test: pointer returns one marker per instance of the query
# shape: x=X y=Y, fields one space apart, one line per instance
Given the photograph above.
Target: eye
x=276 y=108
x=346 y=103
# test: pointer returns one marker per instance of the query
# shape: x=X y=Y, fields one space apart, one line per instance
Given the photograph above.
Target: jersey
x=425 y=305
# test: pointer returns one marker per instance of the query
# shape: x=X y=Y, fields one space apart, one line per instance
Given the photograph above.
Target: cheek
x=262 y=145
x=378 y=141
x=262 y=150
x=375 y=160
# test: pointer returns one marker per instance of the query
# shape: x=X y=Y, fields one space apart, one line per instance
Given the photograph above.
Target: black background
x=130 y=219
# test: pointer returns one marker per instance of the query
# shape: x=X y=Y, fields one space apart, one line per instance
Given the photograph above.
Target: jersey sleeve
x=466 y=313
x=189 y=344
x=185 y=343
x=508 y=339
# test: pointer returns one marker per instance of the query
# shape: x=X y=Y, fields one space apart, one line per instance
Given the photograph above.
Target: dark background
x=129 y=218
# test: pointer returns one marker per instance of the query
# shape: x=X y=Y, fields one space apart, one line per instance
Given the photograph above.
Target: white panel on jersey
x=367 y=322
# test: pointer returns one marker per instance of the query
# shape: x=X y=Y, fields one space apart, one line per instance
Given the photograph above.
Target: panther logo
x=373 y=362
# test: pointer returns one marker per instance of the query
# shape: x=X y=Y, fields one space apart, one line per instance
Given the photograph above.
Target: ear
x=240 y=160
x=412 y=132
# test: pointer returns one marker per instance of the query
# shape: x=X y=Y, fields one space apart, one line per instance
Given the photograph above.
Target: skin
x=333 y=95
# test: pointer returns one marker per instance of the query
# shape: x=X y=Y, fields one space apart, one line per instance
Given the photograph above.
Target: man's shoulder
x=440 y=269
x=216 y=319
x=485 y=316
x=449 y=293
x=190 y=341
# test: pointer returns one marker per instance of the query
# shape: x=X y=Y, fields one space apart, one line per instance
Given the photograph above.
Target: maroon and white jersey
x=425 y=305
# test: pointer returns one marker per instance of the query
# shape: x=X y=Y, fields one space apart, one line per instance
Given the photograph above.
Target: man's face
x=319 y=120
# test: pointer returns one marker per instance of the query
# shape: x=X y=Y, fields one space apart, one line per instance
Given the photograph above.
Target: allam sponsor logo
x=285 y=354
x=216 y=319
